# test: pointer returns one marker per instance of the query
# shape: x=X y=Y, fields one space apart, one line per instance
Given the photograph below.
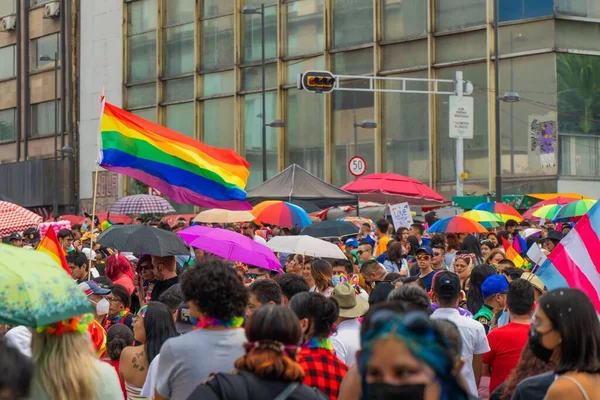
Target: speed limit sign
x=357 y=166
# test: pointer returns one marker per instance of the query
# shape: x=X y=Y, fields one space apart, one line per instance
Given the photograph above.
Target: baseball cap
x=90 y=287
x=183 y=323
x=89 y=253
x=446 y=284
x=352 y=242
x=130 y=257
x=426 y=249
x=494 y=284
x=370 y=239
x=32 y=234
x=15 y=236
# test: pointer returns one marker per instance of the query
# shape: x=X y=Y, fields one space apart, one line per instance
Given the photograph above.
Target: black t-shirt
x=161 y=286
x=534 y=388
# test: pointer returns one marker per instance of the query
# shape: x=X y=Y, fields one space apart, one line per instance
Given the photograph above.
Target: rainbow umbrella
x=281 y=213
x=502 y=210
x=547 y=212
x=572 y=212
x=485 y=218
x=358 y=221
x=456 y=224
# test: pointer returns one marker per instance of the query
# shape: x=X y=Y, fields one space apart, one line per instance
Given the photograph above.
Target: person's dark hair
x=394 y=253
x=118 y=337
x=471 y=245
x=291 y=284
x=418 y=227
x=415 y=279
x=215 y=289
x=322 y=312
x=452 y=241
x=392 y=276
x=380 y=292
x=491 y=234
x=520 y=297
x=512 y=272
x=78 y=259
x=488 y=243
x=503 y=235
x=122 y=294
x=271 y=328
x=412 y=298
x=172 y=297
x=63 y=233
x=414 y=244
x=525 y=224
x=365 y=242
x=438 y=241
x=344 y=263
x=383 y=225
x=159 y=326
x=431 y=218
x=451 y=332
x=16 y=372
x=511 y=223
x=322 y=273
x=266 y=291
x=474 y=296
x=369 y=266
x=139 y=219
x=573 y=315
x=528 y=366
x=103 y=281
x=366 y=225
x=395 y=306
x=399 y=233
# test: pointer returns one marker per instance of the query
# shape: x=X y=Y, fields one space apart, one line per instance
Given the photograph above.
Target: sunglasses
x=147 y=267
x=113 y=299
x=359 y=252
x=425 y=257
x=254 y=276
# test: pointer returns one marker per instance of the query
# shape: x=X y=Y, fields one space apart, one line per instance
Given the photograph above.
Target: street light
x=276 y=124
x=248 y=10
x=366 y=124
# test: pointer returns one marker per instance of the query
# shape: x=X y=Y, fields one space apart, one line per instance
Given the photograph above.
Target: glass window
x=252 y=77
x=42 y=119
x=295 y=67
x=352 y=22
x=33 y=3
x=404 y=18
x=404 y=55
x=476 y=150
x=462 y=46
x=179 y=50
x=578 y=8
x=141 y=95
x=355 y=62
x=7 y=124
x=218 y=83
x=43 y=51
x=219 y=129
x=534 y=78
x=529 y=36
x=456 y=15
x=251 y=35
x=253 y=136
x=142 y=57
x=7 y=7
x=212 y=8
x=348 y=108
x=579 y=155
x=217 y=43
x=8 y=66
x=577 y=35
x=149 y=114
x=179 y=12
x=305 y=131
x=304 y=26
x=142 y=16
x=522 y=9
x=179 y=89
x=405 y=129
x=180 y=118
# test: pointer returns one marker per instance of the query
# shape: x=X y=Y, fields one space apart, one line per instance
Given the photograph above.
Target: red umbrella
x=15 y=219
x=561 y=201
x=393 y=188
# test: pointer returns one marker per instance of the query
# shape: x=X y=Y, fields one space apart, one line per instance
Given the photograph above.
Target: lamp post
x=366 y=124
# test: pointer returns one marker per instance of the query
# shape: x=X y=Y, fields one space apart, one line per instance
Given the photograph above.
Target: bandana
x=116 y=319
x=207 y=322
x=316 y=343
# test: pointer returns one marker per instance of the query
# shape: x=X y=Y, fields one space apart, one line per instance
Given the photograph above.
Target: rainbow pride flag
x=183 y=169
x=50 y=245
x=512 y=254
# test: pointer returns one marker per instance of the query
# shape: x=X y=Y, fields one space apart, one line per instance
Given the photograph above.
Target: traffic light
x=318 y=81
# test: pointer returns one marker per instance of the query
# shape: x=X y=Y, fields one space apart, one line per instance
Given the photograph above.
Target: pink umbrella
x=231 y=246
x=393 y=188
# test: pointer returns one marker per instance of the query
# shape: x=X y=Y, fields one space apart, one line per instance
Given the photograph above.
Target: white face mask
x=102 y=307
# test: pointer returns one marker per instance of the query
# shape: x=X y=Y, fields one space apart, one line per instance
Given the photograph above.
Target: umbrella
x=143 y=239
x=223 y=216
x=142 y=204
x=231 y=246
x=573 y=211
x=305 y=245
x=456 y=224
x=502 y=210
x=530 y=232
x=35 y=290
x=281 y=213
x=358 y=221
x=307 y=206
x=393 y=188
x=15 y=219
x=485 y=218
x=330 y=229
x=547 y=212
x=560 y=200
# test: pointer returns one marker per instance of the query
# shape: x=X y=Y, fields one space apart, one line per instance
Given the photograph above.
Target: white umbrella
x=305 y=245
x=222 y=216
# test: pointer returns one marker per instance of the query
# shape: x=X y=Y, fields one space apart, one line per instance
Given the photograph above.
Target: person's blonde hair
x=64 y=365
x=168 y=261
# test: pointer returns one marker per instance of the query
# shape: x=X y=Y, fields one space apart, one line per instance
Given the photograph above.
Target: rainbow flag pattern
x=183 y=169
x=50 y=245
x=512 y=254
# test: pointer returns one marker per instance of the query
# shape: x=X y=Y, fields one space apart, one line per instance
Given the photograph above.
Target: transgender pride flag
x=577 y=256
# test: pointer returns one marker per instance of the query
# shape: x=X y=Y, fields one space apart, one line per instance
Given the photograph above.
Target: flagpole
x=102 y=100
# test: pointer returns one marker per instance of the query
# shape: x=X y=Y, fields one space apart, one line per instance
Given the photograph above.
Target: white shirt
x=150 y=382
x=346 y=341
x=259 y=239
x=473 y=338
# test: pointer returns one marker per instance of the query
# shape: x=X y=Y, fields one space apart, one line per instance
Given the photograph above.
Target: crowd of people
x=405 y=316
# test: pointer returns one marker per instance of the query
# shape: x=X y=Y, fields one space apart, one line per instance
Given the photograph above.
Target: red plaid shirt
x=323 y=370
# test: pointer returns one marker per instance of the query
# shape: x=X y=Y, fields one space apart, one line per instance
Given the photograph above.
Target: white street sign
x=461 y=117
x=357 y=166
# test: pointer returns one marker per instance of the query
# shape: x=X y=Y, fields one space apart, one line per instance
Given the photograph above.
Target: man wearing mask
x=95 y=295
x=494 y=290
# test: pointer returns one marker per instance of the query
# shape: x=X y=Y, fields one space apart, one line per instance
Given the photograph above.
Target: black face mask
x=385 y=391
x=537 y=348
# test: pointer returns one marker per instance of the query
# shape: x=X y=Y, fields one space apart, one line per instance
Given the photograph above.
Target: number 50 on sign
x=357 y=166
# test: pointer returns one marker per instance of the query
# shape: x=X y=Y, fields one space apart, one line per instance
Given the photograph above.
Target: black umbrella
x=330 y=229
x=306 y=205
x=143 y=239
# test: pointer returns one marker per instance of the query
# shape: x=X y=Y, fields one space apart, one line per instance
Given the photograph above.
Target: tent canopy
x=295 y=183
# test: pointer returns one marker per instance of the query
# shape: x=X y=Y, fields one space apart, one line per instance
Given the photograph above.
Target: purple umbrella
x=230 y=246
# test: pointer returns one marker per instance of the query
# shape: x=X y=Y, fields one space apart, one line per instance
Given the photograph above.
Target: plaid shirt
x=323 y=370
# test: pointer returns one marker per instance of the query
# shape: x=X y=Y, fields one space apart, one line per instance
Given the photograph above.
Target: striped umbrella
x=485 y=218
x=281 y=213
x=572 y=212
x=502 y=210
x=15 y=219
x=547 y=212
x=456 y=224
x=142 y=204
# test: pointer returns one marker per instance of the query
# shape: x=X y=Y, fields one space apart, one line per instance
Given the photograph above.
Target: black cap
x=32 y=234
x=553 y=235
x=183 y=324
x=446 y=284
x=15 y=236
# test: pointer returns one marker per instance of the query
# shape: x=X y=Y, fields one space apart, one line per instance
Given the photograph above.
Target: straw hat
x=535 y=281
x=351 y=304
